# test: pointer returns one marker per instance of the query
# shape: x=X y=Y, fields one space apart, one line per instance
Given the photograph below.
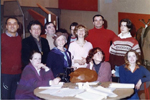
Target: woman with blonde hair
x=133 y=72
x=79 y=49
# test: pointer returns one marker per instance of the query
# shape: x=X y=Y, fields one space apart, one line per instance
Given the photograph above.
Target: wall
x=108 y=10
x=32 y=3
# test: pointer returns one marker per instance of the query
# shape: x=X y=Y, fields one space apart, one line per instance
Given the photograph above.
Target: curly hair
x=34 y=22
x=126 y=58
x=91 y=54
x=79 y=27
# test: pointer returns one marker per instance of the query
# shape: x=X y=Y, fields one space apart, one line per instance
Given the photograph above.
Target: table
x=122 y=92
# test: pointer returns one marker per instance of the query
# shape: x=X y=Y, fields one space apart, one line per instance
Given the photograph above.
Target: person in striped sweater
x=121 y=44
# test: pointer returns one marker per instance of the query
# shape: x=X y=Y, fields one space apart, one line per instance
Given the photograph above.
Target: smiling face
x=98 y=22
x=35 y=31
x=132 y=58
x=98 y=57
x=36 y=59
x=123 y=28
x=61 y=41
x=12 y=26
x=50 y=29
x=81 y=33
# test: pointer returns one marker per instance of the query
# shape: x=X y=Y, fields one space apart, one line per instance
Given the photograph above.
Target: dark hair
x=126 y=58
x=34 y=22
x=129 y=23
x=79 y=27
x=98 y=16
x=47 y=23
x=73 y=24
x=33 y=52
x=91 y=54
x=62 y=30
x=12 y=17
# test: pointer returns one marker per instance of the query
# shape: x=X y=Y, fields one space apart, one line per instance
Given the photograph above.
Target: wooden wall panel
x=85 y=5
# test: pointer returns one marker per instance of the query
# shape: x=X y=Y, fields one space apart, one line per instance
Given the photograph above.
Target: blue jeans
x=9 y=85
x=117 y=71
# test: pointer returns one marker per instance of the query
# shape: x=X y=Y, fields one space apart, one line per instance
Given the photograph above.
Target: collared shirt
x=136 y=67
x=10 y=35
x=128 y=35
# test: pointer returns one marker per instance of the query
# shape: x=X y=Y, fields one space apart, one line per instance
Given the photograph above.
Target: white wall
x=108 y=10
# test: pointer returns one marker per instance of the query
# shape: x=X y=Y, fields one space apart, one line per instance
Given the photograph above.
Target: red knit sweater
x=119 y=48
x=101 y=38
x=11 y=54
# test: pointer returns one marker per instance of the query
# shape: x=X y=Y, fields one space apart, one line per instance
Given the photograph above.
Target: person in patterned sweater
x=121 y=44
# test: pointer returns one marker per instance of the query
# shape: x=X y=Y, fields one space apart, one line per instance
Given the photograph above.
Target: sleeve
x=146 y=73
x=25 y=52
x=71 y=50
x=105 y=73
x=122 y=74
x=31 y=80
x=46 y=48
x=113 y=35
x=136 y=47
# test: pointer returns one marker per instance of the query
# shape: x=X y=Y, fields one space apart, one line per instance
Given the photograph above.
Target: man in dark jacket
x=34 y=43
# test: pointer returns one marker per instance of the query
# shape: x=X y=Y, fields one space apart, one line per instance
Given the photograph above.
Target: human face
x=81 y=33
x=72 y=29
x=12 y=26
x=35 y=31
x=61 y=41
x=123 y=28
x=50 y=29
x=132 y=58
x=36 y=60
x=98 y=22
x=98 y=57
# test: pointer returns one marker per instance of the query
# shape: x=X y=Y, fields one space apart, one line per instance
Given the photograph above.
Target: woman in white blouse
x=79 y=49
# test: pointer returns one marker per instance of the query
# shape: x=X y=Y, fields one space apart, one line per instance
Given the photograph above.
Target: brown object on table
x=83 y=75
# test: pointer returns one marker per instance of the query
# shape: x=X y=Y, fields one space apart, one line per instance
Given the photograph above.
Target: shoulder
x=43 y=39
x=107 y=64
x=27 y=39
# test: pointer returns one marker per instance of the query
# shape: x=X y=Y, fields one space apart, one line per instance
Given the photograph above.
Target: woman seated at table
x=34 y=75
x=95 y=60
x=59 y=58
x=79 y=49
x=133 y=72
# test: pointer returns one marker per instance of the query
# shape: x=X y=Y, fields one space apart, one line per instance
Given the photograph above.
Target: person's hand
x=138 y=85
x=55 y=81
x=41 y=65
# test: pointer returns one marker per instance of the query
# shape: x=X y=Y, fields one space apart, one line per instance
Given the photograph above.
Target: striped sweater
x=119 y=48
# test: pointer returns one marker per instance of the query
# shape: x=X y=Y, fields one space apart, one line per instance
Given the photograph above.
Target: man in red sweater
x=101 y=37
x=11 y=59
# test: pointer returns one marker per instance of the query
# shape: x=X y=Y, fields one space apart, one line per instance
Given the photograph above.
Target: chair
x=146 y=90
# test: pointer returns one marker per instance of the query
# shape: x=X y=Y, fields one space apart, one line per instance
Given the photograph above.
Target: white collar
x=128 y=35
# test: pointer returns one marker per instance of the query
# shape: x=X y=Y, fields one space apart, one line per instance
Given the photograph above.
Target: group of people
x=38 y=60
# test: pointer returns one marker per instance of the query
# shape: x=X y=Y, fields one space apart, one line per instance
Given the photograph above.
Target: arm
x=25 y=52
x=146 y=73
x=105 y=72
